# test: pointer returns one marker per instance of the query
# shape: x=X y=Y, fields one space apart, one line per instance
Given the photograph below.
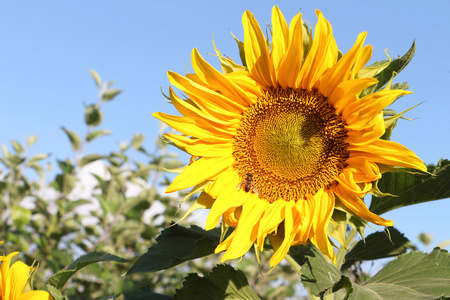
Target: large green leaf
x=411 y=276
x=318 y=273
x=176 y=245
x=377 y=245
x=60 y=278
x=223 y=282
x=412 y=188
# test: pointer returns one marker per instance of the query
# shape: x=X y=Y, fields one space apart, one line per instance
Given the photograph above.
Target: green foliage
x=387 y=69
x=412 y=276
x=389 y=243
x=176 y=245
x=318 y=273
x=409 y=188
x=223 y=282
x=60 y=278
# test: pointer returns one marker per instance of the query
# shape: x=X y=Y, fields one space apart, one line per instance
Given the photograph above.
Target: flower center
x=292 y=142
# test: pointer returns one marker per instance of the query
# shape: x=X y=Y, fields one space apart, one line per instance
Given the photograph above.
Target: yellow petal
x=229 y=195
x=205 y=168
x=322 y=215
x=290 y=222
x=363 y=169
x=271 y=219
x=36 y=295
x=280 y=38
x=201 y=147
x=204 y=201
x=189 y=109
x=347 y=91
x=359 y=113
x=388 y=153
x=347 y=192
x=323 y=54
x=247 y=230
x=366 y=134
x=217 y=81
x=195 y=127
x=341 y=70
x=17 y=279
x=256 y=52
x=208 y=100
x=289 y=69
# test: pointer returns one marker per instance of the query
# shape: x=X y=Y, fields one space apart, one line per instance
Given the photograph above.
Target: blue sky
x=47 y=47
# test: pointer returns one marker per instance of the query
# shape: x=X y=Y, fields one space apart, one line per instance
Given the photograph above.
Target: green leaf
x=176 y=245
x=93 y=116
x=60 y=278
x=396 y=66
x=74 y=139
x=223 y=282
x=38 y=157
x=411 y=276
x=89 y=159
x=412 y=188
x=377 y=245
x=20 y=216
x=111 y=94
x=30 y=140
x=66 y=166
x=17 y=146
x=96 y=77
x=97 y=133
x=137 y=141
x=73 y=204
x=65 y=183
x=318 y=272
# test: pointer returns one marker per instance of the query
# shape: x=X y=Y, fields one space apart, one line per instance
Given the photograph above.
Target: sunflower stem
x=341 y=252
x=294 y=264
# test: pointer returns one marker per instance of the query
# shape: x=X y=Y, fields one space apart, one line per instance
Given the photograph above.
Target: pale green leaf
x=30 y=140
x=111 y=94
x=74 y=139
x=17 y=146
x=97 y=133
x=137 y=141
x=89 y=159
x=96 y=77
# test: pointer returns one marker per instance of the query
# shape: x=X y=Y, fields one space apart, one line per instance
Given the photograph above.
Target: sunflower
x=281 y=141
x=13 y=281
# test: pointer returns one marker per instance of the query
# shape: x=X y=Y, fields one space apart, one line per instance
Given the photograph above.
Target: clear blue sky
x=47 y=47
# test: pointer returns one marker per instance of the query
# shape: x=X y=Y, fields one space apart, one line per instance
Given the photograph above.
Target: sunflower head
x=281 y=141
